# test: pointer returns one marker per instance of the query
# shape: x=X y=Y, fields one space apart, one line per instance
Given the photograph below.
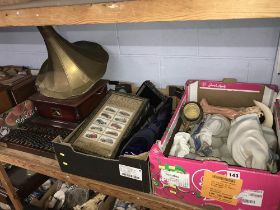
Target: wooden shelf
x=51 y=168
x=141 y=11
x=125 y=12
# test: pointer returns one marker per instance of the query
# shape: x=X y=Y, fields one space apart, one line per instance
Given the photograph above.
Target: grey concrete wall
x=166 y=53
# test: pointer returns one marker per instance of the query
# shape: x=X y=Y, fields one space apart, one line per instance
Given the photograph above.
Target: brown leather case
x=5 y=101
x=73 y=109
x=23 y=182
x=21 y=91
x=17 y=91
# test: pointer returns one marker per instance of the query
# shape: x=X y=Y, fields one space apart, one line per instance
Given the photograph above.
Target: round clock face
x=192 y=111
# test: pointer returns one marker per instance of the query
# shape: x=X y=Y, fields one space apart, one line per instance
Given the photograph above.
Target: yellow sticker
x=220 y=187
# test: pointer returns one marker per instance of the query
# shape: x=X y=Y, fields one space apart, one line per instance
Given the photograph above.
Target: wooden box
x=16 y=91
x=6 y=102
x=19 y=92
x=73 y=109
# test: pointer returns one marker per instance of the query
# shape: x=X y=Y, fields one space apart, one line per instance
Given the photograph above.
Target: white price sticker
x=174 y=178
x=130 y=172
x=233 y=174
x=252 y=197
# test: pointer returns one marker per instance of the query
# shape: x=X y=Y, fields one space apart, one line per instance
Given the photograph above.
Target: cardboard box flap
x=277 y=118
x=269 y=96
x=232 y=94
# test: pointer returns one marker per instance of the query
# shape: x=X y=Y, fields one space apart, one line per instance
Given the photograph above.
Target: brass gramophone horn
x=71 y=68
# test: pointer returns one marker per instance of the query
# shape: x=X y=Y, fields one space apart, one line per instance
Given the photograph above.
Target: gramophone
x=69 y=81
x=70 y=87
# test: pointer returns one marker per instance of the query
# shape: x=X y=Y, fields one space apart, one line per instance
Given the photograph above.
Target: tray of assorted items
x=112 y=143
x=221 y=147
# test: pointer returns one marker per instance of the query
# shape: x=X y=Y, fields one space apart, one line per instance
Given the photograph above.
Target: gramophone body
x=74 y=109
x=71 y=69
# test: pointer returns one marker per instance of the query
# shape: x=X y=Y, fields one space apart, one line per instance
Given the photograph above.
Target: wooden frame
x=141 y=11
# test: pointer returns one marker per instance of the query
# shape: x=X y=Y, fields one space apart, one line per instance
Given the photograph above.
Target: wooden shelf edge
x=141 y=11
x=51 y=168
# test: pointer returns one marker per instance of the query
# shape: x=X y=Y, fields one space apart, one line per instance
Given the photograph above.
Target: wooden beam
x=10 y=189
x=51 y=168
x=141 y=11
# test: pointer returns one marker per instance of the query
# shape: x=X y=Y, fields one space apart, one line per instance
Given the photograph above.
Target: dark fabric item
x=143 y=140
x=156 y=98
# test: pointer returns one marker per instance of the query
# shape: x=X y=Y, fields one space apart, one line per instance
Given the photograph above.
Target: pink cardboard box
x=235 y=187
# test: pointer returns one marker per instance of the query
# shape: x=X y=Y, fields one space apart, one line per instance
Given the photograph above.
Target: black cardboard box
x=123 y=171
x=104 y=169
